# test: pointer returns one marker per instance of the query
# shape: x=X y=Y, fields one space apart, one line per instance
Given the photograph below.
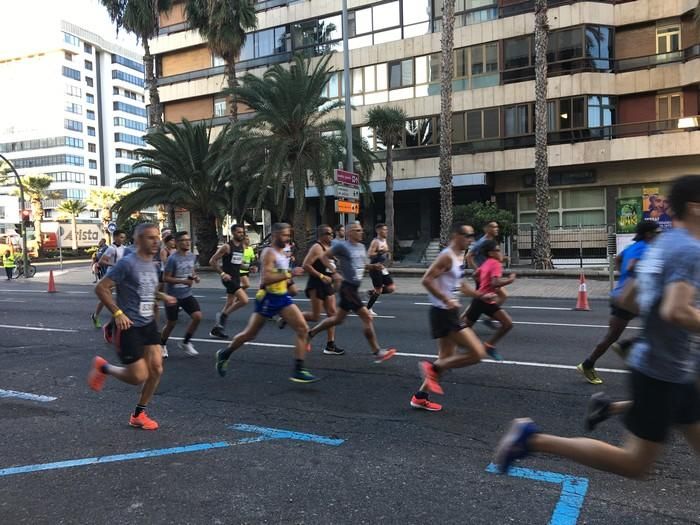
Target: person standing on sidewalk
x=625 y=262
x=379 y=252
x=8 y=262
x=231 y=257
x=664 y=361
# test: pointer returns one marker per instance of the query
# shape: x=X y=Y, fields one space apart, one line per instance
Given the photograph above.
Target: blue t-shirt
x=352 y=258
x=180 y=267
x=665 y=351
x=632 y=252
x=475 y=250
x=137 y=284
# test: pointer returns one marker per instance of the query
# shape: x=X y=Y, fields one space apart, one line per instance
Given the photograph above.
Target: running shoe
x=96 y=377
x=589 y=374
x=302 y=375
x=333 y=350
x=164 y=351
x=143 y=421
x=218 y=331
x=493 y=353
x=221 y=363
x=622 y=349
x=597 y=410
x=108 y=333
x=384 y=354
x=430 y=377
x=96 y=321
x=514 y=444
x=188 y=349
x=425 y=404
x=281 y=323
x=372 y=312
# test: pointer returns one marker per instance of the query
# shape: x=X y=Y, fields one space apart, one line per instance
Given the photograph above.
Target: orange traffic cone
x=52 y=284
x=582 y=301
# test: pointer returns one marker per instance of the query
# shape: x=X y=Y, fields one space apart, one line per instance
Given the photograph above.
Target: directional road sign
x=346 y=177
x=342 y=206
x=348 y=193
x=112 y=227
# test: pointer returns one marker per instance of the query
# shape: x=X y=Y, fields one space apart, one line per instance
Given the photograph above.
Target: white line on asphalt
x=12 y=301
x=521 y=307
x=26 y=395
x=574 y=325
x=40 y=291
x=36 y=328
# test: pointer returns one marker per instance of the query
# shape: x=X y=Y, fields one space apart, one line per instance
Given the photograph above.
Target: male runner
x=379 y=252
x=319 y=286
x=231 y=256
x=626 y=261
x=247 y=264
x=179 y=275
x=476 y=257
x=442 y=280
x=137 y=339
x=352 y=256
x=272 y=299
x=110 y=257
x=664 y=361
x=339 y=232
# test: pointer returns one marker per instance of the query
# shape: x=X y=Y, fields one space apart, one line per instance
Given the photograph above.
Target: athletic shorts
x=621 y=313
x=271 y=304
x=189 y=304
x=658 y=405
x=443 y=322
x=380 y=280
x=131 y=343
x=479 y=308
x=232 y=286
x=323 y=290
x=350 y=297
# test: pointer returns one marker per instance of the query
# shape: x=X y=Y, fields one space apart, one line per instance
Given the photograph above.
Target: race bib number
x=332 y=268
x=385 y=272
x=359 y=274
x=146 y=309
x=236 y=257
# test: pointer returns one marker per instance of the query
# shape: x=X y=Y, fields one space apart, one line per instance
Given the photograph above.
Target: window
x=89 y=81
x=49 y=160
x=217 y=61
x=89 y=98
x=52 y=142
x=128 y=108
x=601 y=111
x=93 y=180
x=68 y=56
x=71 y=73
x=669 y=106
x=565 y=45
x=73 y=142
x=70 y=39
x=416 y=18
x=131 y=124
x=518 y=120
x=90 y=114
x=220 y=107
x=129 y=139
x=566 y=113
x=72 y=107
x=420 y=132
x=126 y=77
x=73 y=91
x=400 y=74
x=115 y=90
x=517 y=53
x=91 y=131
x=88 y=65
x=87 y=48
x=124 y=168
x=360 y=22
x=668 y=39
x=67 y=176
x=48 y=213
x=72 y=125
x=386 y=15
x=92 y=164
x=482 y=124
x=132 y=64
x=599 y=46
x=92 y=148
x=2 y=212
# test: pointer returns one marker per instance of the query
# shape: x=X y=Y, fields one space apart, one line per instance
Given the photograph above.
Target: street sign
x=112 y=227
x=342 y=206
x=349 y=193
x=346 y=177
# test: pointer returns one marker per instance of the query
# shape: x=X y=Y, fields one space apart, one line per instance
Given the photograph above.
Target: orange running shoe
x=382 y=355
x=143 y=421
x=96 y=377
x=425 y=404
x=430 y=377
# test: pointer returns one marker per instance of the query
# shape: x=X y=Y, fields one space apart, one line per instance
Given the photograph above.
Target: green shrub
x=478 y=214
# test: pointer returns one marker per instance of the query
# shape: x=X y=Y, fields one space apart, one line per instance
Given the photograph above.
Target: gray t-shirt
x=665 y=351
x=475 y=250
x=137 y=284
x=352 y=258
x=181 y=267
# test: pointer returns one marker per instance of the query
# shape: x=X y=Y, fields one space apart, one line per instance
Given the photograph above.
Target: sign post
x=347 y=193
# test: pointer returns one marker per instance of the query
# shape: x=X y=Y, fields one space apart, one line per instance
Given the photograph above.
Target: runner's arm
x=500 y=282
x=327 y=257
x=103 y=290
x=214 y=261
x=373 y=250
x=441 y=265
x=311 y=257
x=627 y=300
x=107 y=258
x=677 y=306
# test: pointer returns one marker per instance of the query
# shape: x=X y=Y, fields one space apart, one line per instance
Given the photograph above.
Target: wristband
x=222 y=274
x=118 y=313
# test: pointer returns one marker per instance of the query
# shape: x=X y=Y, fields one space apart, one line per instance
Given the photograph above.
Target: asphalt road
x=370 y=459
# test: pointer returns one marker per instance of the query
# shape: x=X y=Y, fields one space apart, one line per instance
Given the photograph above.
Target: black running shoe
x=217 y=331
x=597 y=410
x=333 y=350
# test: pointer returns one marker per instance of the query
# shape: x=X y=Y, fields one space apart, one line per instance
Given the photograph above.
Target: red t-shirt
x=487 y=271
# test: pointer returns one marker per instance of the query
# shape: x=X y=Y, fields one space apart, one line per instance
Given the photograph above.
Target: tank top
x=380 y=257
x=231 y=262
x=281 y=266
x=448 y=282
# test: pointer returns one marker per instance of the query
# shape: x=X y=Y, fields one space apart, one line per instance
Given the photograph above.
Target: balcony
x=650 y=61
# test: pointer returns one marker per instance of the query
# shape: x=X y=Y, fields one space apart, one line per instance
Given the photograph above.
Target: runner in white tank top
x=442 y=280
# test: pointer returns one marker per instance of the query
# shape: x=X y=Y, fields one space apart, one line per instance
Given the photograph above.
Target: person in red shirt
x=491 y=281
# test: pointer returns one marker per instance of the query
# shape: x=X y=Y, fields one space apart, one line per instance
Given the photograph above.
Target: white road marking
x=573 y=325
x=12 y=301
x=522 y=307
x=26 y=395
x=40 y=291
x=36 y=328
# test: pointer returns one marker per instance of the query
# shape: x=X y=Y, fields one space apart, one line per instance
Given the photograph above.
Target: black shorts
x=189 y=304
x=323 y=290
x=232 y=286
x=479 y=308
x=621 y=313
x=350 y=297
x=658 y=405
x=379 y=280
x=443 y=322
x=131 y=343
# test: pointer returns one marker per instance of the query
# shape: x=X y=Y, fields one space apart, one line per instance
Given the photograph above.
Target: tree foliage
x=479 y=214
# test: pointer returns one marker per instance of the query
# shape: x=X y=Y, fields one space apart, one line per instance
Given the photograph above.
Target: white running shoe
x=188 y=349
x=164 y=351
x=372 y=312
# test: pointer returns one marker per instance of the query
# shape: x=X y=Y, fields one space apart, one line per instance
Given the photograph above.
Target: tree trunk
x=542 y=249
x=299 y=218
x=38 y=215
x=155 y=117
x=446 y=74
x=232 y=83
x=207 y=239
x=74 y=237
x=171 y=218
x=389 y=197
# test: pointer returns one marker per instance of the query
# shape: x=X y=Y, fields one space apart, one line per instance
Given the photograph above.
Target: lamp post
x=346 y=88
x=23 y=227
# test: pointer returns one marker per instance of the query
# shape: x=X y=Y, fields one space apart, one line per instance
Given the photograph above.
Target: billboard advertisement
x=655 y=207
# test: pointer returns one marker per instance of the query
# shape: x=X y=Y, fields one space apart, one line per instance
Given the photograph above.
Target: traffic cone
x=52 y=284
x=582 y=301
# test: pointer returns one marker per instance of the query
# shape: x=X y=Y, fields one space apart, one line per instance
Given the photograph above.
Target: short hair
x=279 y=226
x=378 y=226
x=684 y=190
x=322 y=227
x=488 y=246
x=236 y=226
x=118 y=232
x=457 y=227
x=338 y=227
x=141 y=228
x=168 y=238
x=490 y=223
x=180 y=235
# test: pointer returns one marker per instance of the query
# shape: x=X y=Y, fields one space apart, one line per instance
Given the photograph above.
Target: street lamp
x=23 y=227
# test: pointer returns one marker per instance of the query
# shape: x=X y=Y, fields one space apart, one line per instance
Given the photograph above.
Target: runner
x=339 y=232
x=179 y=275
x=664 y=361
x=475 y=258
x=352 y=256
x=442 y=280
x=319 y=287
x=646 y=231
x=231 y=256
x=137 y=338
x=272 y=299
x=111 y=256
x=379 y=253
x=490 y=284
x=247 y=266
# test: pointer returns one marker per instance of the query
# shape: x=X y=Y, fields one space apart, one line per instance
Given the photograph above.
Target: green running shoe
x=589 y=374
x=221 y=363
x=302 y=375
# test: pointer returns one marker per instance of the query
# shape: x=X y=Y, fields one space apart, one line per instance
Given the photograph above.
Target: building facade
x=73 y=109
x=623 y=95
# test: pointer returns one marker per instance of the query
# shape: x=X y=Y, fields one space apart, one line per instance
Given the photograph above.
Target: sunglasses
x=327 y=233
x=469 y=235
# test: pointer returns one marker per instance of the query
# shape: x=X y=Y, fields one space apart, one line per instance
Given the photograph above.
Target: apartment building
x=72 y=108
x=623 y=94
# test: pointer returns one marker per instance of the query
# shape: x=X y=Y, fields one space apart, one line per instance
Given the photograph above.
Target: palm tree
x=36 y=190
x=224 y=24
x=542 y=249
x=72 y=208
x=104 y=199
x=141 y=18
x=186 y=170
x=388 y=124
x=446 y=74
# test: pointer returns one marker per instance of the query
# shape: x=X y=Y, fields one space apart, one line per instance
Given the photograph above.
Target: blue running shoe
x=514 y=444
x=221 y=363
x=302 y=375
x=493 y=354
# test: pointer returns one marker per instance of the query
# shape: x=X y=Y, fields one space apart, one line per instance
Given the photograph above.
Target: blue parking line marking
x=26 y=395
x=573 y=491
x=274 y=433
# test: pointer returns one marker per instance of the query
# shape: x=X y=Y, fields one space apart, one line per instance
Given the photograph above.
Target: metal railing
x=571 y=245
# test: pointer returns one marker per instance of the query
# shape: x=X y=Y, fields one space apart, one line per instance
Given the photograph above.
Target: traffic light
x=26 y=218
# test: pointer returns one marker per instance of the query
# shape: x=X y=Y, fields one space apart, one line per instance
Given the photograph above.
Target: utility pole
x=346 y=88
x=23 y=227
